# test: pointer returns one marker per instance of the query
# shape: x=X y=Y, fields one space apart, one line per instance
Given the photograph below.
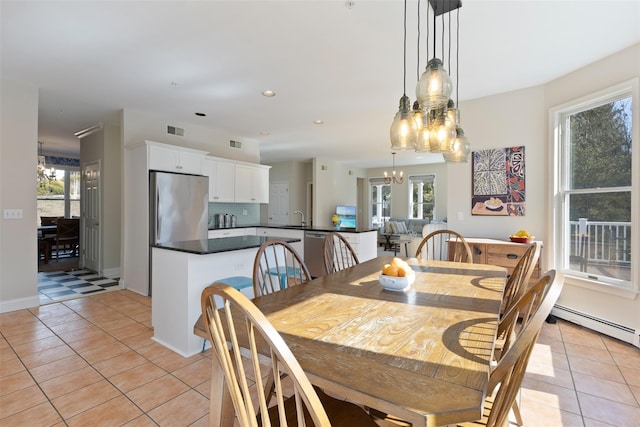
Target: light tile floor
x=91 y=361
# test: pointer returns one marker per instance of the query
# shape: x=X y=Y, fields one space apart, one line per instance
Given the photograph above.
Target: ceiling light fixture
x=268 y=93
x=393 y=178
x=318 y=122
x=42 y=175
x=435 y=117
x=90 y=130
x=264 y=133
x=403 y=128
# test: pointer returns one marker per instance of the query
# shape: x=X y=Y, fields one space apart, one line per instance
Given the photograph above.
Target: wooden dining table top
x=423 y=354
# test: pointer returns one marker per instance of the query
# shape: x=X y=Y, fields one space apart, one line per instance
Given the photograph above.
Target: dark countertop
x=306 y=228
x=226 y=244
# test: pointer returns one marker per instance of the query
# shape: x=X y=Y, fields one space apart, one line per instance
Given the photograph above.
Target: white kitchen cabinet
x=364 y=244
x=221 y=180
x=251 y=184
x=175 y=159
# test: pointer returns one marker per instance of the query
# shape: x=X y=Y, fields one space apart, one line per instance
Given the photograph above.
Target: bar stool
x=237 y=282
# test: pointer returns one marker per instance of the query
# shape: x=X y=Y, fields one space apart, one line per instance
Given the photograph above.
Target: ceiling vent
x=235 y=144
x=172 y=130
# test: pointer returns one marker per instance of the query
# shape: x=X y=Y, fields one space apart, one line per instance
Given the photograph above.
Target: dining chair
x=277 y=265
x=519 y=278
x=337 y=253
x=48 y=220
x=445 y=245
x=235 y=320
x=67 y=235
x=506 y=378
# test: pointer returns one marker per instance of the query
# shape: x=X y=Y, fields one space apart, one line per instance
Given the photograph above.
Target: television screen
x=346 y=210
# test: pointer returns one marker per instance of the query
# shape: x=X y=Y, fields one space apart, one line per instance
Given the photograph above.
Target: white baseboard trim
x=621 y=332
x=19 y=303
x=111 y=273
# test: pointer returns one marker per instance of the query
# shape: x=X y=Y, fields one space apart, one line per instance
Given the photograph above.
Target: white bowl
x=397 y=284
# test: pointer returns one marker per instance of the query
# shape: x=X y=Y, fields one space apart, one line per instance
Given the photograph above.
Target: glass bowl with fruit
x=522 y=236
x=397 y=276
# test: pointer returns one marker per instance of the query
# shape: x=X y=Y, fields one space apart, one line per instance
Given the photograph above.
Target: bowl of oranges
x=522 y=236
x=397 y=276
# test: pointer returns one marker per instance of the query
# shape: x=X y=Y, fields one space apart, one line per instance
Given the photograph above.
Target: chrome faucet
x=302 y=223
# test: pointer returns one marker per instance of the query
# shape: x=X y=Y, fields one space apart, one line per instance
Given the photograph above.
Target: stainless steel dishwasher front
x=313 y=252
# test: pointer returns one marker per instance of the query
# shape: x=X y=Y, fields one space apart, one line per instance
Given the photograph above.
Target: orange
x=390 y=270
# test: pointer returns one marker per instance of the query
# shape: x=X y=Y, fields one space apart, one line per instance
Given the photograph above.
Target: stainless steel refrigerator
x=178 y=209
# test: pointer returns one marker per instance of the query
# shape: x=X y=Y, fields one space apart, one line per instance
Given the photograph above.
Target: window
x=380 y=196
x=595 y=188
x=421 y=196
x=58 y=190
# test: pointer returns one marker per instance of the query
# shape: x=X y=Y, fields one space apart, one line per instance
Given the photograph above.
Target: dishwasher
x=313 y=257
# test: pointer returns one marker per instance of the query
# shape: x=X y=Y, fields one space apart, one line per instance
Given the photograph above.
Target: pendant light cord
x=418 y=46
x=457 y=54
x=404 y=67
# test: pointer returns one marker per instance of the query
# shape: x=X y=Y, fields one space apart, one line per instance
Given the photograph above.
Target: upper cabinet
x=172 y=158
x=221 y=180
x=237 y=182
x=252 y=184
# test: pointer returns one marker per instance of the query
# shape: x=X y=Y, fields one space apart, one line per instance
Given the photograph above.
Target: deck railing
x=605 y=242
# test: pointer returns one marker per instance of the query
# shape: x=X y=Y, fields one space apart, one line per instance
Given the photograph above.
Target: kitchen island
x=179 y=273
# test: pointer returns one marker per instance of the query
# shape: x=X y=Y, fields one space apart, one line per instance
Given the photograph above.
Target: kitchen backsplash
x=252 y=210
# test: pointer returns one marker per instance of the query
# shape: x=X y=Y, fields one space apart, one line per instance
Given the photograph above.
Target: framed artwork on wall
x=498 y=182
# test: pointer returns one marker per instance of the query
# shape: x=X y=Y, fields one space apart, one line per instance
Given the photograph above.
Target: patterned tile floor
x=92 y=361
x=63 y=285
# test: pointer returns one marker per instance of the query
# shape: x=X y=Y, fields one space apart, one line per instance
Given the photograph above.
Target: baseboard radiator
x=615 y=330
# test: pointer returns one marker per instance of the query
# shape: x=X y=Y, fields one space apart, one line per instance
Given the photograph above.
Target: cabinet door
x=190 y=163
x=244 y=184
x=261 y=185
x=163 y=159
x=174 y=160
x=221 y=181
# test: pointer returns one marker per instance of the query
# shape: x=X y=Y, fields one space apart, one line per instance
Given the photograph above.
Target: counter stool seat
x=237 y=282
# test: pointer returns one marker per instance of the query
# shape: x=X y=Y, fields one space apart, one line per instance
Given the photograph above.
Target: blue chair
x=237 y=282
x=277 y=266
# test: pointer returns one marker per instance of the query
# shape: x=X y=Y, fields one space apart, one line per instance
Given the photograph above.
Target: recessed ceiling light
x=268 y=93
x=264 y=133
x=318 y=122
x=201 y=114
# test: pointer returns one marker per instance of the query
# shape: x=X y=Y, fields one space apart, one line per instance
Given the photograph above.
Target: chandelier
x=393 y=178
x=436 y=119
x=42 y=168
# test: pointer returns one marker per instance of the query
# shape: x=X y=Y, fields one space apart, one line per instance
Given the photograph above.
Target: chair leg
x=516 y=414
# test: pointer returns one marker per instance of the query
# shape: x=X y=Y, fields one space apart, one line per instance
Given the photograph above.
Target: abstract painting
x=498 y=182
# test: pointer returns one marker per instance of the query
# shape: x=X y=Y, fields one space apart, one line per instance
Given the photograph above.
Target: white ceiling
x=324 y=60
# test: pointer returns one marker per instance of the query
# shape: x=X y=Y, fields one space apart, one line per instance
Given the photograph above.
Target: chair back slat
x=519 y=278
x=237 y=320
x=444 y=245
x=337 y=252
x=277 y=265
x=512 y=366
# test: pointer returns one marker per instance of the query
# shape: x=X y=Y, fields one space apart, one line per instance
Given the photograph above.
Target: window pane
x=599 y=235
x=600 y=146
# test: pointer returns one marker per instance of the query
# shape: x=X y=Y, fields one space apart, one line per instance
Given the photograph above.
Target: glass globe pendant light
x=403 y=131
x=461 y=149
x=434 y=87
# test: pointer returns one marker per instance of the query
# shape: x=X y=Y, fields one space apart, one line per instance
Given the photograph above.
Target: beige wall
x=105 y=146
x=334 y=184
x=18 y=151
x=400 y=192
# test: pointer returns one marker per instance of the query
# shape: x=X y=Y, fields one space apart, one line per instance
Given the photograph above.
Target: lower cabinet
x=502 y=253
x=285 y=232
x=231 y=232
x=364 y=244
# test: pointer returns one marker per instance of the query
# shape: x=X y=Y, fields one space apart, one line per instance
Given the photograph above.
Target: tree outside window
x=595 y=158
x=421 y=196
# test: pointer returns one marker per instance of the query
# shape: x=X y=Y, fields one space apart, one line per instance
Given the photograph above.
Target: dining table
x=422 y=354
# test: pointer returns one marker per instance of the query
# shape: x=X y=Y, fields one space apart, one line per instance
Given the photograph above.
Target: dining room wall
x=521 y=117
x=18 y=151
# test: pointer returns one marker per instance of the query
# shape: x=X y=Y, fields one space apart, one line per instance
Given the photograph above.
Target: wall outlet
x=244 y=212
x=12 y=214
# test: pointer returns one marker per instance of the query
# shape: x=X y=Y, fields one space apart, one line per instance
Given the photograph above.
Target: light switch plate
x=12 y=214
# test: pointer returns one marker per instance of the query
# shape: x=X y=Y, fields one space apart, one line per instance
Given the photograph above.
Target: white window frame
x=556 y=215
x=376 y=182
x=421 y=178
